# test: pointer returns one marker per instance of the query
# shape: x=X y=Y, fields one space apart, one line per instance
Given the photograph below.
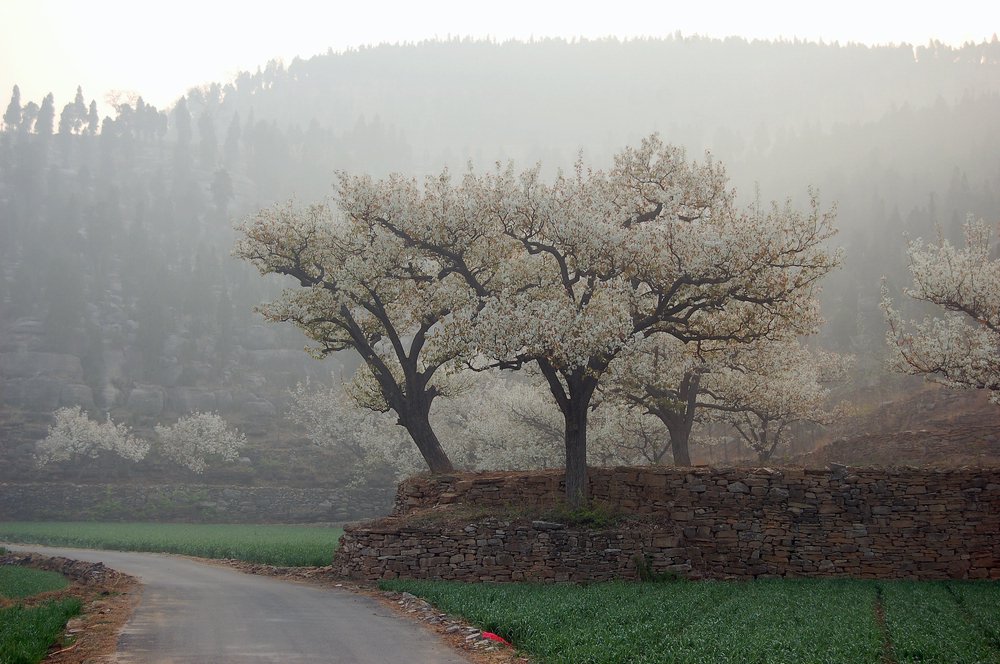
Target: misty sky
x=160 y=50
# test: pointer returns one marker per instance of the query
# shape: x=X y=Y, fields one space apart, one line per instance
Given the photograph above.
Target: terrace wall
x=180 y=502
x=701 y=523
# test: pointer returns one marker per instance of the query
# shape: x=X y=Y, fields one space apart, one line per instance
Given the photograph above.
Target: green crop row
x=17 y=582
x=772 y=621
x=289 y=546
x=27 y=632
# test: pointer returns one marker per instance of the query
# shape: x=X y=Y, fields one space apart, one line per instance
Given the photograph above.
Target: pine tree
x=93 y=121
x=12 y=117
x=207 y=142
x=232 y=146
x=45 y=122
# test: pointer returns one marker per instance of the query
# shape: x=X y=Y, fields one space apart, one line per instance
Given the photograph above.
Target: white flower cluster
x=962 y=347
x=74 y=434
x=193 y=441
x=763 y=388
x=197 y=439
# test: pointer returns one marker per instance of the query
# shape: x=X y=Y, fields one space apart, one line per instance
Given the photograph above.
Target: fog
x=118 y=292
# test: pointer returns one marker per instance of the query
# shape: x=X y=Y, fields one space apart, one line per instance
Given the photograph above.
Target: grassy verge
x=773 y=621
x=17 y=582
x=27 y=632
x=290 y=546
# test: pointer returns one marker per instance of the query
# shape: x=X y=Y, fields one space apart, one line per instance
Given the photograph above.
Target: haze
x=53 y=46
x=120 y=297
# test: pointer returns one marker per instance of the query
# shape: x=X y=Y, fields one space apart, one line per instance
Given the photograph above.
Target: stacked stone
x=703 y=523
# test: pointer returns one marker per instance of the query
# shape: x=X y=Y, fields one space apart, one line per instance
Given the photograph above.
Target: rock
x=838 y=470
x=737 y=487
x=36 y=394
x=50 y=365
x=114 y=365
x=223 y=400
x=23 y=334
x=146 y=400
x=547 y=525
x=190 y=399
x=259 y=408
x=111 y=396
x=77 y=395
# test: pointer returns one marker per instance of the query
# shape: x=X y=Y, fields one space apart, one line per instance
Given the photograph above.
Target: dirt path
x=198 y=613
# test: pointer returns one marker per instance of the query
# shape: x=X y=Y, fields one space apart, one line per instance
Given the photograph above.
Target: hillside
x=118 y=292
x=931 y=427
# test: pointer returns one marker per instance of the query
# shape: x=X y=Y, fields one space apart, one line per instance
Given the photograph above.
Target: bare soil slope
x=931 y=427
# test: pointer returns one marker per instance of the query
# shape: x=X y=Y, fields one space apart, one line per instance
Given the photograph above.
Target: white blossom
x=763 y=388
x=961 y=348
x=196 y=439
x=74 y=434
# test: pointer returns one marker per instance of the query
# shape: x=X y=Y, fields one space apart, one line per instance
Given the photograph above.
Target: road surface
x=196 y=613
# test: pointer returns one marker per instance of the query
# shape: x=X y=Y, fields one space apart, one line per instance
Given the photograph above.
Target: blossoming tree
x=362 y=288
x=197 y=439
x=661 y=376
x=569 y=273
x=73 y=434
x=193 y=441
x=763 y=388
x=961 y=348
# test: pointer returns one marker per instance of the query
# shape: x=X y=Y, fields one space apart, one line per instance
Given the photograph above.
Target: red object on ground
x=493 y=637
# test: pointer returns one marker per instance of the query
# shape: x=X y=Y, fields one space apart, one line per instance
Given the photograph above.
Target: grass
x=17 y=582
x=27 y=632
x=772 y=621
x=286 y=546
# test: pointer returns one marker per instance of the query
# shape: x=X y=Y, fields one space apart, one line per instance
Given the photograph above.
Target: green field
x=27 y=632
x=772 y=621
x=288 y=546
x=17 y=582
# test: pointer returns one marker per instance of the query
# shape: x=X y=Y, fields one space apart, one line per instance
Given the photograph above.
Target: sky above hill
x=161 y=50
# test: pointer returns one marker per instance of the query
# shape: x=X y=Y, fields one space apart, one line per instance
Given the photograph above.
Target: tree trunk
x=417 y=424
x=679 y=447
x=577 y=488
x=573 y=399
x=679 y=423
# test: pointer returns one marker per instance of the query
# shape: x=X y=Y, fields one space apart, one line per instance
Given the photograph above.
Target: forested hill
x=485 y=100
x=118 y=291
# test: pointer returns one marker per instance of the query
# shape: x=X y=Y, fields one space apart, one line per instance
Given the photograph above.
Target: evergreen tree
x=182 y=151
x=182 y=122
x=28 y=116
x=232 y=146
x=207 y=142
x=222 y=190
x=45 y=122
x=93 y=121
x=12 y=117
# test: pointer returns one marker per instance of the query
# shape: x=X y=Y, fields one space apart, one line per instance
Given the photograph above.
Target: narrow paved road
x=202 y=614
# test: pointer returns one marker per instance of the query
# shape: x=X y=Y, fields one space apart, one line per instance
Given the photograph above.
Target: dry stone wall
x=186 y=502
x=700 y=523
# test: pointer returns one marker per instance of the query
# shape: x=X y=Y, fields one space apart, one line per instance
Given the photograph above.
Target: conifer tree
x=45 y=122
x=12 y=117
